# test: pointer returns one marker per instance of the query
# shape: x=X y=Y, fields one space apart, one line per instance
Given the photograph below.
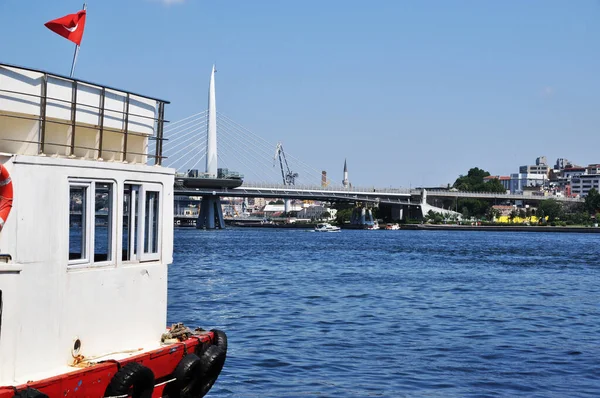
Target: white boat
x=373 y=226
x=86 y=240
x=326 y=227
x=391 y=226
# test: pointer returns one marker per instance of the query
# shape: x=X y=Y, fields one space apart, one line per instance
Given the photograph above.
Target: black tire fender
x=30 y=393
x=188 y=377
x=132 y=376
x=220 y=339
x=213 y=360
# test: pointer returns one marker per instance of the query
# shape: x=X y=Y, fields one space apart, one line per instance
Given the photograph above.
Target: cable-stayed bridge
x=214 y=165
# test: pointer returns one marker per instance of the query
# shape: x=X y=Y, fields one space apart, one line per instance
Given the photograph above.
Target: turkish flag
x=70 y=26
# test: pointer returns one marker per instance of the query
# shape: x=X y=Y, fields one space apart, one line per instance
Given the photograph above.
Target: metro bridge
x=271 y=172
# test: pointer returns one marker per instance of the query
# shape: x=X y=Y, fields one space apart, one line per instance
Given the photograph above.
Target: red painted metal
x=92 y=381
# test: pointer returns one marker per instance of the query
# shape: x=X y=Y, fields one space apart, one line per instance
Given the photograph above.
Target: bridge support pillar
x=362 y=216
x=211 y=213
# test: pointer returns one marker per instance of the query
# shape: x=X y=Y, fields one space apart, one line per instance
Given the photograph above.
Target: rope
x=165 y=382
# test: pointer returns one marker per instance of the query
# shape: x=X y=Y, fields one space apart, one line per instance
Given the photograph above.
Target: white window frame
x=144 y=256
x=140 y=189
x=134 y=228
x=88 y=260
x=88 y=231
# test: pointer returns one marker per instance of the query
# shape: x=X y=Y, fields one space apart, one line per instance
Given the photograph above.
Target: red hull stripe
x=93 y=380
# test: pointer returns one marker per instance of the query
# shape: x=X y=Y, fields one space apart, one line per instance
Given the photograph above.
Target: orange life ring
x=6 y=195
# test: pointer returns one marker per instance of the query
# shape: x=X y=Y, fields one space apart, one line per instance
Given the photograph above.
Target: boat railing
x=55 y=100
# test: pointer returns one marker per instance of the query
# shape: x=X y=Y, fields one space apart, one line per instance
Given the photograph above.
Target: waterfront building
x=561 y=163
x=518 y=181
x=277 y=209
x=572 y=171
x=534 y=169
x=504 y=180
x=540 y=167
x=582 y=184
x=593 y=169
x=315 y=212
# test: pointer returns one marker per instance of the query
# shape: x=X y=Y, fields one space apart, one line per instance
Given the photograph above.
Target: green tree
x=473 y=181
x=343 y=216
x=592 y=201
x=550 y=208
x=513 y=214
x=492 y=213
x=494 y=185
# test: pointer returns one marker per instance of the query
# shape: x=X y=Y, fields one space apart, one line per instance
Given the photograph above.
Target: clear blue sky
x=410 y=92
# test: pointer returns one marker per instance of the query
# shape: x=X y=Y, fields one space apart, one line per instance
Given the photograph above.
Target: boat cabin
x=85 y=249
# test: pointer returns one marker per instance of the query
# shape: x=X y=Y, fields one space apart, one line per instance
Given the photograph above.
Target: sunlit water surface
x=394 y=313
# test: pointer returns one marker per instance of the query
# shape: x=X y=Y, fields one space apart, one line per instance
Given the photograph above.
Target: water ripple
x=394 y=313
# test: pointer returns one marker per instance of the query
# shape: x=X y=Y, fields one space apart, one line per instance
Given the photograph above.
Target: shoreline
x=496 y=228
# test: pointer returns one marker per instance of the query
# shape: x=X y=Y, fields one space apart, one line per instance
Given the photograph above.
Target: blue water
x=395 y=313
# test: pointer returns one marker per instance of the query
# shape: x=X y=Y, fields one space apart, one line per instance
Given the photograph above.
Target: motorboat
x=86 y=233
x=326 y=227
x=372 y=226
x=390 y=226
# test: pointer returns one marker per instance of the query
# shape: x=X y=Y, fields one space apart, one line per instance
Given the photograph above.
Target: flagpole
x=76 y=50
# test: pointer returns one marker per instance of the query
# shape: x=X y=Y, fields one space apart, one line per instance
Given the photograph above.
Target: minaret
x=345 y=181
x=211 y=138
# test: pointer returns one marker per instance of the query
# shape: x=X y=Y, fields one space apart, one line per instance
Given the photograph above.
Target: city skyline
x=411 y=94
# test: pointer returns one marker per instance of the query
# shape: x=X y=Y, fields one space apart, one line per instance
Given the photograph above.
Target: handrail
x=154 y=123
x=63 y=77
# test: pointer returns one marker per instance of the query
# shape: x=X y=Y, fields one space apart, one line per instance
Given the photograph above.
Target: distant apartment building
x=593 y=169
x=581 y=184
x=518 y=181
x=534 y=169
x=572 y=171
x=540 y=167
x=561 y=163
x=504 y=180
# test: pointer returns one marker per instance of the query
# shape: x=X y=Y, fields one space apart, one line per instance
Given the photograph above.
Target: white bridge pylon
x=194 y=139
x=211 y=135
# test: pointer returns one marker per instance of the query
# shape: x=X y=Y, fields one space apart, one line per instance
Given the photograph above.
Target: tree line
x=548 y=209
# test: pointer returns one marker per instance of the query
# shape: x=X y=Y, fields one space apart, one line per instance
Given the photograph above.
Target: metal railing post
x=159 y=133
x=43 y=103
x=126 y=128
x=73 y=116
x=101 y=122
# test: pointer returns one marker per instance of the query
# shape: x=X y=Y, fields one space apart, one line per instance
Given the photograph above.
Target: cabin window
x=78 y=206
x=151 y=222
x=103 y=208
x=141 y=222
x=91 y=214
x=131 y=196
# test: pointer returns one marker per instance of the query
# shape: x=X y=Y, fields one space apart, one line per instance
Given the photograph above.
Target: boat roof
x=82 y=81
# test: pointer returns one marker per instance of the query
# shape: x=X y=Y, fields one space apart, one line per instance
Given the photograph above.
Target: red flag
x=70 y=26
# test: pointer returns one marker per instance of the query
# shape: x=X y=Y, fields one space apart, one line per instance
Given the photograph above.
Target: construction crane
x=288 y=176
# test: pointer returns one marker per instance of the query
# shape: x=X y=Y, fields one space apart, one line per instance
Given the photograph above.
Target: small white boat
x=326 y=227
x=373 y=226
x=392 y=227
